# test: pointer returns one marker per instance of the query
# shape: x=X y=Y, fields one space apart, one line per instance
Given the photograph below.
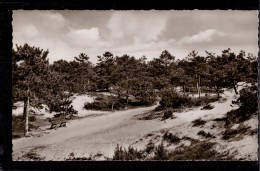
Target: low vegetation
x=33 y=155
x=171 y=138
x=236 y=133
x=206 y=135
x=207 y=107
x=248 y=106
x=175 y=100
x=198 y=150
x=108 y=103
x=127 y=154
x=168 y=113
x=198 y=122
x=18 y=125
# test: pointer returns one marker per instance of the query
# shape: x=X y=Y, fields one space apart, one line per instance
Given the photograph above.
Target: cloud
x=202 y=36
x=51 y=20
x=136 y=27
x=27 y=31
x=83 y=37
x=68 y=33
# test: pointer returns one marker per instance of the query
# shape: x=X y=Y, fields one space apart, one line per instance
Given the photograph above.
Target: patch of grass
x=207 y=107
x=220 y=119
x=238 y=116
x=72 y=157
x=33 y=155
x=236 y=133
x=127 y=154
x=160 y=153
x=149 y=147
x=198 y=150
x=168 y=113
x=202 y=150
x=206 y=135
x=171 y=138
x=18 y=125
x=198 y=122
x=253 y=131
x=150 y=115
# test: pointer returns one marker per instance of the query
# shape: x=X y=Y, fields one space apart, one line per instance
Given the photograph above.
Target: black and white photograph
x=105 y=85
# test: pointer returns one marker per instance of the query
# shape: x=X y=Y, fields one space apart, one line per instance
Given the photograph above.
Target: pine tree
x=30 y=65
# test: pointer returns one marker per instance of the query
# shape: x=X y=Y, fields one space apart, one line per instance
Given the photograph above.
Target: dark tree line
x=36 y=81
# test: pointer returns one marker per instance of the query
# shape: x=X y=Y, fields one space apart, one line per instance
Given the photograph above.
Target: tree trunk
x=84 y=88
x=198 y=86
x=26 y=113
x=234 y=86
x=127 y=100
x=112 y=106
x=218 y=92
x=24 y=107
x=88 y=86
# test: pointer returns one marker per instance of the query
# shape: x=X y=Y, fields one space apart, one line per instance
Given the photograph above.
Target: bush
x=105 y=104
x=32 y=118
x=232 y=133
x=127 y=154
x=160 y=153
x=201 y=150
x=149 y=147
x=173 y=99
x=207 y=107
x=204 y=134
x=248 y=99
x=171 y=138
x=198 y=122
x=247 y=106
x=167 y=114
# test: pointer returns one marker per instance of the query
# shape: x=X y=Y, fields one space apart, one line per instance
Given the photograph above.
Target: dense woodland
x=129 y=80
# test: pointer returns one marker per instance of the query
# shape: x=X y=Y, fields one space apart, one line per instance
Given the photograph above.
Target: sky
x=68 y=33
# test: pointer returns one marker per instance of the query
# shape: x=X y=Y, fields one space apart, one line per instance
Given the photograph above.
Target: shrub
x=201 y=150
x=248 y=99
x=232 y=133
x=173 y=99
x=204 y=134
x=167 y=114
x=248 y=106
x=127 y=154
x=72 y=157
x=207 y=107
x=105 y=104
x=160 y=153
x=171 y=138
x=198 y=122
x=149 y=147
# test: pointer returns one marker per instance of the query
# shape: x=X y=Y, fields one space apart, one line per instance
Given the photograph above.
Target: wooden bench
x=57 y=122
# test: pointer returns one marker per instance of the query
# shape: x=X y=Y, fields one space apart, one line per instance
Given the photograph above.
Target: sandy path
x=101 y=134
x=85 y=136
